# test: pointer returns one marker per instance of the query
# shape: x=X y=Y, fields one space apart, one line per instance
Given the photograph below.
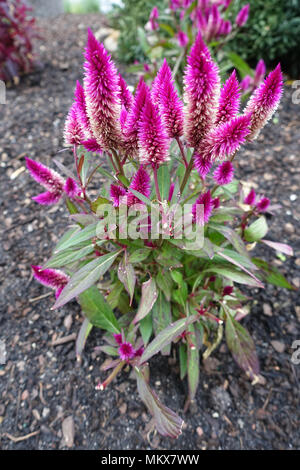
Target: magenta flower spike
x=48 y=178
x=102 y=94
x=245 y=83
x=250 y=198
x=224 y=173
x=153 y=138
x=126 y=96
x=73 y=133
x=205 y=200
x=154 y=15
x=53 y=278
x=81 y=112
x=229 y=103
x=71 y=188
x=263 y=204
x=203 y=165
x=116 y=193
x=133 y=118
x=118 y=338
x=163 y=74
x=224 y=140
x=260 y=73
x=141 y=182
x=242 y=16
x=126 y=351
x=202 y=90
x=170 y=105
x=183 y=39
x=264 y=102
x=92 y=145
x=171 y=192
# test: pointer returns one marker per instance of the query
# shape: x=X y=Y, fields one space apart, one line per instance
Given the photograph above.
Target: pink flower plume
x=73 y=132
x=81 y=112
x=250 y=198
x=205 y=200
x=92 y=145
x=264 y=101
x=116 y=193
x=126 y=95
x=203 y=165
x=263 y=204
x=126 y=351
x=153 y=139
x=71 y=188
x=243 y=15
x=182 y=39
x=202 y=90
x=48 y=178
x=102 y=94
x=141 y=183
x=53 y=278
x=163 y=74
x=229 y=100
x=224 y=173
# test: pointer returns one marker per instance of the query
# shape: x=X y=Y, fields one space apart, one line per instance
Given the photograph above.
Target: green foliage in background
x=127 y=19
x=272 y=33
x=84 y=6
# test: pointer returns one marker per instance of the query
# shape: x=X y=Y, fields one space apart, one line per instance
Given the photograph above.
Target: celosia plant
x=168 y=279
x=17 y=30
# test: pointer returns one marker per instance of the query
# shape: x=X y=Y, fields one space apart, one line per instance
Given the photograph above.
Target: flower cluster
x=17 y=30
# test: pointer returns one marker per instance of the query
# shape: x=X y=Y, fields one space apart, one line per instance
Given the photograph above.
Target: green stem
x=187 y=174
x=158 y=195
x=180 y=145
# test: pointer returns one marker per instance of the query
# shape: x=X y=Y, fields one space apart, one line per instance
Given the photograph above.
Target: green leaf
x=146 y=328
x=164 y=282
x=141 y=197
x=148 y=299
x=161 y=318
x=63 y=258
x=167 y=422
x=193 y=366
x=272 y=275
x=256 y=230
x=86 y=233
x=166 y=337
x=84 y=331
x=72 y=231
x=71 y=206
x=139 y=255
x=127 y=276
x=231 y=236
x=97 y=310
x=241 y=346
x=86 y=277
x=114 y=295
x=240 y=64
x=164 y=181
x=235 y=275
x=183 y=360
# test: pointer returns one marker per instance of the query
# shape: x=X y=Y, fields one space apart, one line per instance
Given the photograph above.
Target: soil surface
x=44 y=395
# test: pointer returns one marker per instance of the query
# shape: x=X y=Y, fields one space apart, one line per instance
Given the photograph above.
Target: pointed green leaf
x=256 y=230
x=148 y=299
x=86 y=233
x=97 y=310
x=84 y=331
x=63 y=258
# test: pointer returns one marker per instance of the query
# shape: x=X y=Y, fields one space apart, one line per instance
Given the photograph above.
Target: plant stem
x=180 y=145
x=112 y=162
x=119 y=164
x=187 y=173
x=109 y=379
x=156 y=184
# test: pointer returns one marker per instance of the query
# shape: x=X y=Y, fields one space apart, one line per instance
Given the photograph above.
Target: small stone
x=297 y=261
x=36 y=414
x=68 y=430
x=289 y=228
x=293 y=197
x=45 y=412
x=123 y=408
x=297 y=310
x=278 y=346
x=68 y=321
x=25 y=395
x=267 y=310
x=215 y=415
x=199 y=431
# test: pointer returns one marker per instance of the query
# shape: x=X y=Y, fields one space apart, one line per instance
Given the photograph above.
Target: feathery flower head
x=263 y=204
x=243 y=15
x=216 y=203
x=202 y=90
x=126 y=95
x=154 y=15
x=53 y=278
x=229 y=102
x=153 y=139
x=206 y=200
x=224 y=140
x=223 y=174
x=133 y=118
x=171 y=192
x=118 y=338
x=203 y=165
x=126 y=351
x=245 y=83
x=81 y=112
x=250 y=198
x=182 y=38
x=227 y=290
x=141 y=183
x=170 y=105
x=48 y=178
x=116 y=193
x=260 y=72
x=71 y=188
x=163 y=74
x=73 y=133
x=92 y=145
x=102 y=94
x=264 y=102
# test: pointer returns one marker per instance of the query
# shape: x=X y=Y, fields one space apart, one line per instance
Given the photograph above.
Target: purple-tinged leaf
x=97 y=310
x=63 y=258
x=167 y=422
x=86 y=277
x=127 y=276
x=148 y=299
x=84 y=331
x=257 y=230
x=193 y=366
x=166 y=337
x=162 y=317
x=235 y=276
x=228 y=258
x=281 y=247
x=86 y=233
x=241 y=346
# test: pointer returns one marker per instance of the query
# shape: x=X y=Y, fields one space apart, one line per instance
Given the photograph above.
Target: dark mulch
x=41 y=385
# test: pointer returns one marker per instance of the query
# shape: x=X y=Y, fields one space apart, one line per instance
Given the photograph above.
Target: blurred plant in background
x=17 y=30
